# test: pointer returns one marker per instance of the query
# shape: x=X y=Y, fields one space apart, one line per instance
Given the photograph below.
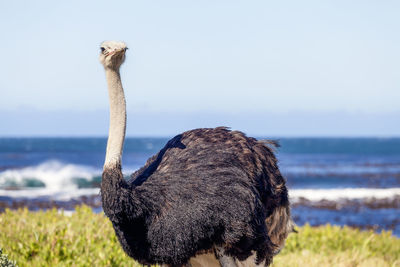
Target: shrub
x=4 y=261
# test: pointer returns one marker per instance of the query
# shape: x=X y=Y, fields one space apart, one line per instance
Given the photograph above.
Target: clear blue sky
x=294 y=68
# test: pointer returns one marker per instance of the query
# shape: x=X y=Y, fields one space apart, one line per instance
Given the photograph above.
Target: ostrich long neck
x=116 y=134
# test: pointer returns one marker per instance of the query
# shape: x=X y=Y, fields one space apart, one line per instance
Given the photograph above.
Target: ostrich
x=207 y=192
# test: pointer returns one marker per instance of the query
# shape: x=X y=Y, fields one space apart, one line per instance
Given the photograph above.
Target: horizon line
x=171 y=136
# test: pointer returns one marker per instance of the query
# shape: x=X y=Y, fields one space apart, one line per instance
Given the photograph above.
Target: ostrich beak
x=117 y=51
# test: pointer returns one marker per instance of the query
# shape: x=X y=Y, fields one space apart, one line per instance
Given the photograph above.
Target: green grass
x=49 y=238
x=339 y=246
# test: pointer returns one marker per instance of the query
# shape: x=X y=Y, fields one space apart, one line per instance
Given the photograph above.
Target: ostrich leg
x=224 y=260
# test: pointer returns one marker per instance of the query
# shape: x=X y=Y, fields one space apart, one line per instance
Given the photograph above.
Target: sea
x=338 y=181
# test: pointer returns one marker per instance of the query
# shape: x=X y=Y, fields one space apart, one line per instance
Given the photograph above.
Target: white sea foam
x=59 y=183
x=295 y=194
x=344 y=193
x=54 y=174
x=46 y=194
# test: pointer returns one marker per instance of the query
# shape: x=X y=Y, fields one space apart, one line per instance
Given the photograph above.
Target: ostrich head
x=112 y=54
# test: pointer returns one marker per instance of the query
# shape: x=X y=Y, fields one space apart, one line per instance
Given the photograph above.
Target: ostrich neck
x=116 y=133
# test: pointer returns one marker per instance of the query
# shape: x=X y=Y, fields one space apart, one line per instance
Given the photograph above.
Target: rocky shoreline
x=94 y=201
x=356 y=204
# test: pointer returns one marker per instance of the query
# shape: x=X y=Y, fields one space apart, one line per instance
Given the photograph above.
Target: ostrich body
x=207 y=191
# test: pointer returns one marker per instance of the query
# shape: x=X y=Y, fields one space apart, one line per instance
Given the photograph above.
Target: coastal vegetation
x=84 y=238
x=4 y=261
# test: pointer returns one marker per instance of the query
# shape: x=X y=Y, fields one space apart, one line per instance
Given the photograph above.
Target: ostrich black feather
x=205 y=188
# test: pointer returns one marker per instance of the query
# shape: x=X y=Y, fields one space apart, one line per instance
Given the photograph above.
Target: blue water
x=307 y=163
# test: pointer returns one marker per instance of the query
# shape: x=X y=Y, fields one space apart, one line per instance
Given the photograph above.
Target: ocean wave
x=52 y=174
x=58 y=180
x=344 y=193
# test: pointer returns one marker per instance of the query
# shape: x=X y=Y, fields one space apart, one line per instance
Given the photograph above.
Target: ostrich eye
x=102 y=49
